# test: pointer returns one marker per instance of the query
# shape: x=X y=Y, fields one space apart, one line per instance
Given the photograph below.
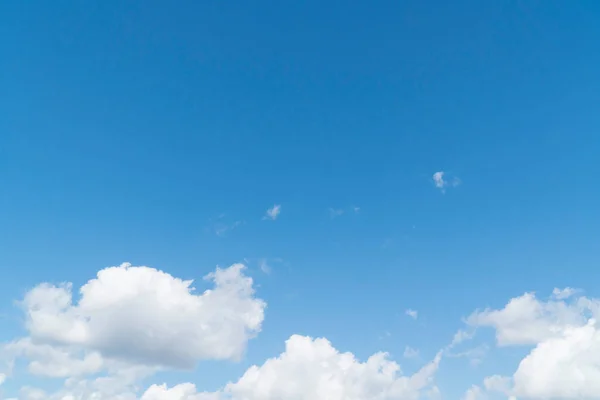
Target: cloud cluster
x=564 y=336
x=144 y=315
x=130 y=322
x=313 y=369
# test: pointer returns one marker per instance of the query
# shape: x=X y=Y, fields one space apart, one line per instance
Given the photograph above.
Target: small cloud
x=562 y=294
x=220 y=227
x=460 y=336
x=474 y=355
x=409 y=352
x=412 y=313
x=335 y=212
x=264 y=266
x=273 y=212
x=267 y=264
x=386 y=334
x=441 y=180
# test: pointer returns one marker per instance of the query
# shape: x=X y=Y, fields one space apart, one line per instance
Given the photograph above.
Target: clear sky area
x=299 y=200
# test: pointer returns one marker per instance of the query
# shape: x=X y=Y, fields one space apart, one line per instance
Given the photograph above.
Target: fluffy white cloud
x=130 y=322
x=565 y=360
x=414 y=314
x=526 y=320
x=273 y=212
x=184 y=391
x=143 y=315
x=55 y=361
x=565 y=367
x=308 y=369
x=312 y=369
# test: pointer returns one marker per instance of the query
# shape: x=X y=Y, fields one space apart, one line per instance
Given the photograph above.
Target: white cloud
x=497 y=383
x=566 y=367
x=312 y=369
x=526 y=320
x=565 y=360
x=55 y=361
x=473 y=393
x=273 y=212
x=131 y=322
x=475 y=355
x=460 y=336
x=562 y=294
x=414 y=314
x=221 y=229
x=308 y=369
x=143 y=315
x=441 y=181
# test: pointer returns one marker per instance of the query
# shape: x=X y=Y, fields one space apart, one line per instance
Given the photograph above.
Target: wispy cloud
x=442 y=181
x=220 y=227
x=264 y=266
x=385 y=335
x=475 y=355
x=409 y=352
x=562 y=294
x=460 y=336
x=336 y=212
x=273 y=212
x=414 y=314
x=267 y=264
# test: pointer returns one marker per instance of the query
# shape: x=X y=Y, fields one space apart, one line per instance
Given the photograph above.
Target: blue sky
x=160 y=134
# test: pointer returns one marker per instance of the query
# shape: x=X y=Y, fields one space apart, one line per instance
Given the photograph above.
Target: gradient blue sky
x=134 y=131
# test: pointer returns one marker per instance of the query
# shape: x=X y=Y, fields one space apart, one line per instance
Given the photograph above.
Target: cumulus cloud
x=312 y=369
x=129 y=322
x=526 y=320
x=308 y=369
x=273 y=212
x=143 y=315
x=414 y=314
x=564 y=334
x=442 y=181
